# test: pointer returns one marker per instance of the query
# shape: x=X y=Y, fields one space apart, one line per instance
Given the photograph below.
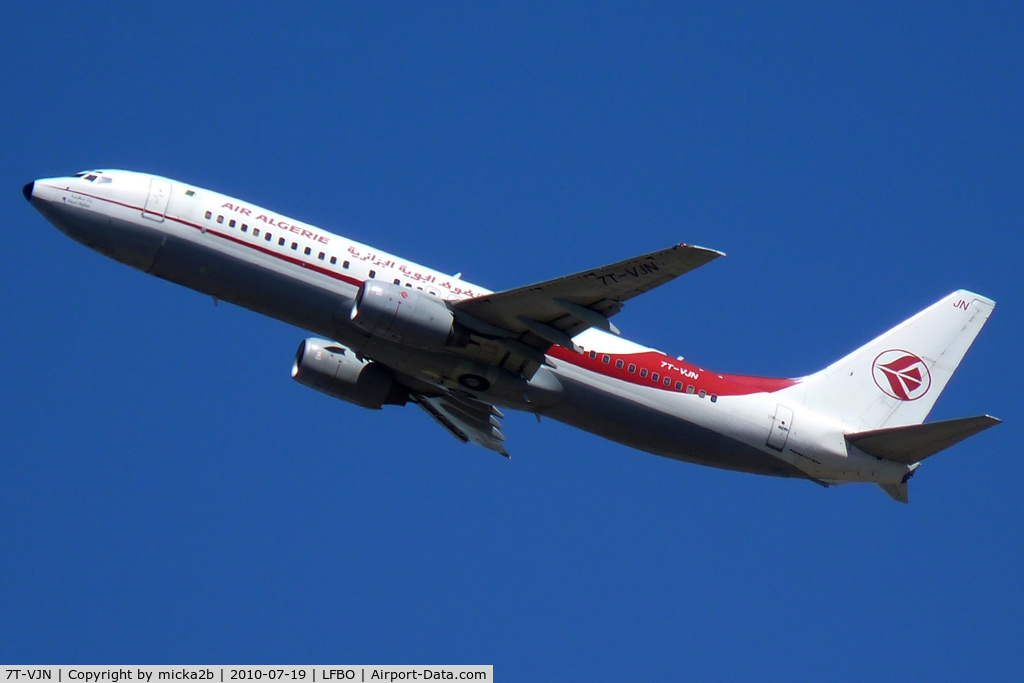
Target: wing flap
x=466 y=419
x=914 y=443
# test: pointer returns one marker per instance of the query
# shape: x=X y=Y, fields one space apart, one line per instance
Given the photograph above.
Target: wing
x=553 y=312
x=514 y=328
x=467 y=419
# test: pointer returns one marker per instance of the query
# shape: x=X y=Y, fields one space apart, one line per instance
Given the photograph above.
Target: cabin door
x=156 y=203
x=780 y=428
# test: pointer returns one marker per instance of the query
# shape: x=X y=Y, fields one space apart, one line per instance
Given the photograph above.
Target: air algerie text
x=277 y=223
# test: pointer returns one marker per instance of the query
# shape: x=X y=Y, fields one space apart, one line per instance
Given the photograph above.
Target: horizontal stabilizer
x=897 y=492
x=914 y=443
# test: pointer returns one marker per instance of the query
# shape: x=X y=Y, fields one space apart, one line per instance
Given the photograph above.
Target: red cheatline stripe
x=283 y=257
x=656 y=362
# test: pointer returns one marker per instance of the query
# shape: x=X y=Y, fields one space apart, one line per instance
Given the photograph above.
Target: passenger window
x=280 y=241
x=209 y=215
x=714 y=398
x=397 y=281
x=321 y=256
x=220 y=219
x=668 y=381
x=655 y=377
x=643 y=372
x=606 y=359
x=255 y=232
x=593 y=354
x=307 y=251
x=373 y=274
x=231 y=223
x=334 y=260
x=619 y=364
x=409 y=285
x=344 y=264
x=702 y=393
x=689 y=389
x=245 y=228
x=268 y=237
x=632 y=368
x=679 y=386
x=295 y=246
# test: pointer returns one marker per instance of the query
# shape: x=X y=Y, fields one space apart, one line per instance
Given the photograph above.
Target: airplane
x=391 y=332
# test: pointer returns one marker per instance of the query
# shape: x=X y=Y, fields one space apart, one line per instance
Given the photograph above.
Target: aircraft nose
x=27 y=190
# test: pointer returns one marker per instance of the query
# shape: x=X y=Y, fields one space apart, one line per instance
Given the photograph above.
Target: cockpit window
x=79 y=175
x=104 y=180
x=90 y=177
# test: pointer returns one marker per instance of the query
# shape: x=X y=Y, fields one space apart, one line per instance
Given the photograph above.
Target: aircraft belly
x=262 y=288
x=121 y=240
x=629 y=422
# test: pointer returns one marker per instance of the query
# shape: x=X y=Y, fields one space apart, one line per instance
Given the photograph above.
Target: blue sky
x=169 y=494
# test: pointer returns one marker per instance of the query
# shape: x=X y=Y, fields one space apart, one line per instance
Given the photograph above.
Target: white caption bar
x=334 y=673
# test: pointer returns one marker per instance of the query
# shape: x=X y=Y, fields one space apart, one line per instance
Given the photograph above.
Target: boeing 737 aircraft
x=390 y=331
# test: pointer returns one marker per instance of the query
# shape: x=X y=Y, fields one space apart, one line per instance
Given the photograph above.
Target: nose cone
x=27 y=190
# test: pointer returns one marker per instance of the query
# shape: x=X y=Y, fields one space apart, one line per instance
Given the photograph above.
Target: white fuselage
x=306 y=276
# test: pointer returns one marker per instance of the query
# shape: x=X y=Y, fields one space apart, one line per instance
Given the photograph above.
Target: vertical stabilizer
x=896 y=379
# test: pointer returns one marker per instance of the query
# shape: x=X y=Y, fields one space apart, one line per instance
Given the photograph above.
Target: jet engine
x=336 y=371
x=403 y=315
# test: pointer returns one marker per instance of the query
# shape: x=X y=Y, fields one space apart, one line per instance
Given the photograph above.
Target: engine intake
x=403 y=315
x=336 y=371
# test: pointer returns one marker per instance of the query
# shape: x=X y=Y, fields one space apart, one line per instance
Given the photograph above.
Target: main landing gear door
x=780 y=428
x=156 y=203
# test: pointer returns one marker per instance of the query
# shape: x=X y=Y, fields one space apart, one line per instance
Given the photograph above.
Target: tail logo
x=901 y=374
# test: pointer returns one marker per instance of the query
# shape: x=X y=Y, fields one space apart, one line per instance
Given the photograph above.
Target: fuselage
x=306 y=276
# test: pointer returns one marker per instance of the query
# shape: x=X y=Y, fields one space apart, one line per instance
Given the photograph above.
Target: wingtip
x=716 y=252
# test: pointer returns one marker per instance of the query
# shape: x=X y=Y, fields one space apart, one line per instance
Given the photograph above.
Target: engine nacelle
x=336 y=371
x=403 y=315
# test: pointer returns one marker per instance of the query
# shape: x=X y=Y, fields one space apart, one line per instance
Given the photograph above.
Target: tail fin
x=895 y=380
